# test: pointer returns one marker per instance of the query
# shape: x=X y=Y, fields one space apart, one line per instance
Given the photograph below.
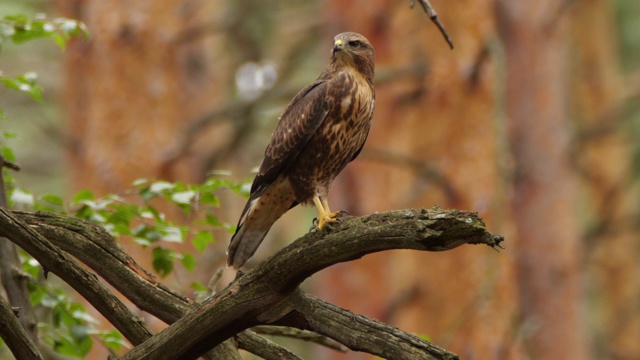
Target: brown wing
x=298 y=123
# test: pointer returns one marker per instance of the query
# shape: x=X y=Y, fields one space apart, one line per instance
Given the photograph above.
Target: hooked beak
x=338 y=45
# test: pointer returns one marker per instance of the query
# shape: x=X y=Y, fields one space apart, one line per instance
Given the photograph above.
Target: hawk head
x=354 y=50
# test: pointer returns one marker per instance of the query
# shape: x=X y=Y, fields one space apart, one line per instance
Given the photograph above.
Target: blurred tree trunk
x=604 y=161
x=549 y=249
x=133 y=88
x=434 y=140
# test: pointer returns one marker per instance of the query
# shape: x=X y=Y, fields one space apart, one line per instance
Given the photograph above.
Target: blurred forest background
x=533 y=121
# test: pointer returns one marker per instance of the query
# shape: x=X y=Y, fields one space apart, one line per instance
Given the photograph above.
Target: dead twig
x=434 y=18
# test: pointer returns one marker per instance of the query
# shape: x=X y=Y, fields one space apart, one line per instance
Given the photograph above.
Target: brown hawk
x=322 y=129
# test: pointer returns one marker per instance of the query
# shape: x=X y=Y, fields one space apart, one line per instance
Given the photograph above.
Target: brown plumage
x=322 y=129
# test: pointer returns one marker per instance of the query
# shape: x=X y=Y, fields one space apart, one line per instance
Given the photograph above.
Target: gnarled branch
x=267 y=295
x=258 y=297
x=58 y=262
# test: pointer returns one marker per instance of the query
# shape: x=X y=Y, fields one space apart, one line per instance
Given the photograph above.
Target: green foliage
x=201 y=240
x=68 y=327
x=137 y=214
x=21 y=28
x=25 y=83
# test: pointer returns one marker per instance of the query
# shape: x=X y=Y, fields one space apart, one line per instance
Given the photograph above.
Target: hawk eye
x=355 y=43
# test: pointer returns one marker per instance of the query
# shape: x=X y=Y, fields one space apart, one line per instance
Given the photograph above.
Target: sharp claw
x=314 y=224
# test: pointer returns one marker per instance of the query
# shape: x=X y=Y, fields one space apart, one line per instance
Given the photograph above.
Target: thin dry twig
x=264 y=348
x=300 y=334
x=434 y=18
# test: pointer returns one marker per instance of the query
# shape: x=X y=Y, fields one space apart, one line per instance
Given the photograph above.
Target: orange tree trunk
x=549 y=249
x=132 y=89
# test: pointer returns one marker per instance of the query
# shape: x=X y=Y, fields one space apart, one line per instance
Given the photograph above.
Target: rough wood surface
x=266 y=295
x=258 y=297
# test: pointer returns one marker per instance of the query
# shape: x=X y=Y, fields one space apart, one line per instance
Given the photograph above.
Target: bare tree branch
x=97 y=249
x=15 y=285
x=262 y=296
x=264 y=348
x=431 y=12
x=94 y=246
x=300 y=334
x=87 y=284
x=359 y=332
x=258 y=296
x=15 y=335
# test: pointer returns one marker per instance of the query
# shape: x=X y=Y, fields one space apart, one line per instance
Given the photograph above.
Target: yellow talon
x=325 y=216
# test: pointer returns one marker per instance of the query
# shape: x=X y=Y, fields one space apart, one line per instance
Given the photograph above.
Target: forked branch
x=262 y=296
x=267 y=295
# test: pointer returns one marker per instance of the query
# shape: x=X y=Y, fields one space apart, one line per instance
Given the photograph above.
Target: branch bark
x=86 y=283
x=268 y=294
x=15 y=286
x=258 y=296
x=15 y=335
x=358 y=332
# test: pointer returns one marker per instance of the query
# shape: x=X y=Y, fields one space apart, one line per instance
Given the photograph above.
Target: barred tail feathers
x=259 y=215
x=244 y=244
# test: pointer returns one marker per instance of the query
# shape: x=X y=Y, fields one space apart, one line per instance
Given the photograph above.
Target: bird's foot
x=319 y=223
x=328 y=219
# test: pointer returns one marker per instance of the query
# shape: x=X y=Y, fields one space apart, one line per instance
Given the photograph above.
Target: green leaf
x=148 y=234
x=8 y=134
x=65 y=346
x=32 y=267
x=50 y=301
x=161 y=186
x=188 y=261
x=25 y=83
x=7 y=154
x=60 y=40
x=183 y=197
x=83 y=195
x=213 y=220
x=52 y=199
x=197 y=286
x=82 y=341
x=172 y=234
x=122 y=216
x=210 y=198
x=202 y=239
x=113 y=339
x=162 y=261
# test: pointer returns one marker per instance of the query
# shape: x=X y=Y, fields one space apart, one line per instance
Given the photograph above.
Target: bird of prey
x=321 y=130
